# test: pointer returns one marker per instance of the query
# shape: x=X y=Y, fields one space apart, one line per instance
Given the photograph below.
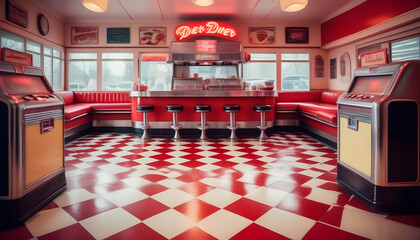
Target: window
x=295 y=71
x=53 y=67
x=34 y=49
x=260 y=69
x=12 y=41
x=117 y=71
x=407 y=49
x=83 y=71
x=155 y=72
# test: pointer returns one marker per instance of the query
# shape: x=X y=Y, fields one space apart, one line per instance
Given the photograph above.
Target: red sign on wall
x=207 y=28
x=13 y=56
x=375 y=57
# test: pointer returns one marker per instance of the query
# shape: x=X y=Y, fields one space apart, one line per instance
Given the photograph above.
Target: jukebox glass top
x=371 y=84
x=17 y=84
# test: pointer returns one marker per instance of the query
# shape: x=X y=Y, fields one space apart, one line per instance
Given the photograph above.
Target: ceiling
x=184 y=10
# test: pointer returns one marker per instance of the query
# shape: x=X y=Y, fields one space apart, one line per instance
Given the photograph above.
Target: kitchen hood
x=206 y=51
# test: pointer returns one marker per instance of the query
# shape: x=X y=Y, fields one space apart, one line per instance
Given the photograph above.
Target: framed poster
x=152 y=36
x=345 y=67
x=16 y=13
x=319 y=66
x=118 y=35
x=333 y=68
x=84 y=35
x=262 y=35
x=374 y=57
x=297 y=35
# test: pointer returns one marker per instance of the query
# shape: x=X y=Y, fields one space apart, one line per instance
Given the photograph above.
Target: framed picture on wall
x=262 y=35
x=118 y=35
x=84 y=35
x=333 y=68
x=152 y=36
x=297 y=35
x=16 y=13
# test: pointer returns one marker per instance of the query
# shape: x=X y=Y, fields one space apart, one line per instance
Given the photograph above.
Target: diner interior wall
x=379 y=37
x=313 y=47
x=55 y=37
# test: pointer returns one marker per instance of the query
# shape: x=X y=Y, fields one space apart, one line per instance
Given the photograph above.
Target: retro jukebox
x=378 y=137
x=32 y=144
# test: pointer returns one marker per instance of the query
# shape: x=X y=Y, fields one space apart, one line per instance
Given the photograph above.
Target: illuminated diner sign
x=207 y=28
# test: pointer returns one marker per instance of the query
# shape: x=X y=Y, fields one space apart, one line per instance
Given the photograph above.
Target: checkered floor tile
x=119 y=187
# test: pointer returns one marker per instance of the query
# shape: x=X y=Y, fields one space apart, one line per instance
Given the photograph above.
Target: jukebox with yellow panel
x=378 y=137
x=32 y=144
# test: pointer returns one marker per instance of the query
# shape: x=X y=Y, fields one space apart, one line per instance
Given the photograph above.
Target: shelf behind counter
x=217 y=118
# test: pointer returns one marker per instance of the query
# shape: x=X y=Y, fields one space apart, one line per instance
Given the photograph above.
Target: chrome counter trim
x=203 y=93
x=189 y=125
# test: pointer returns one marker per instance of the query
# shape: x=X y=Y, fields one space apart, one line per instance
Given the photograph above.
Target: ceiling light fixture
x=203 y=3
x=96 y=5
x=292 y=5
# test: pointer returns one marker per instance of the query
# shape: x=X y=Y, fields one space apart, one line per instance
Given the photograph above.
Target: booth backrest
x=305 y=96
x=102 y=97
x=330 y=96
x=67 y=96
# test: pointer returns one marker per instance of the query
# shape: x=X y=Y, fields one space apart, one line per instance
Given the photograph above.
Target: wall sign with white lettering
x=84 y=35
x=375 y=57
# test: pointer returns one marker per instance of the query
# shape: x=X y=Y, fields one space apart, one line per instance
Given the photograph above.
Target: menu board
x=23 y=84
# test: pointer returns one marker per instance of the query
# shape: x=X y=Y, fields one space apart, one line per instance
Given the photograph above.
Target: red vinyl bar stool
x=175 y=109
x=145 y=109
x=232 y=109
x=262 y=109
x=203 y=109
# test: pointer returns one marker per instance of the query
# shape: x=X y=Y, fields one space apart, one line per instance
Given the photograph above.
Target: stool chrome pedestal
x=232 y=109
x=203 y=109
x=145 y=109
x=263 y=126
x=175 y=109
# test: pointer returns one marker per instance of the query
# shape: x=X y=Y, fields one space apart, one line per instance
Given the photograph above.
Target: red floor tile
x=240 y=188
x=333 y=216
x=254 y=231
x=19 y=233
x=248 y=208
x=154 y=177
x=194 y=233
x=196 y=188
x=145 y=208
x=322 y=231
x=139 y=231
x=409 y=219
x=196 y=209
x=152 y=188
x=75 y=231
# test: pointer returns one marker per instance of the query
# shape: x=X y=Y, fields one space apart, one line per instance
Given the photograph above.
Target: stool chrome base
x=145 y=126
x=176 y=129
x=203 y=132
x=263 y=136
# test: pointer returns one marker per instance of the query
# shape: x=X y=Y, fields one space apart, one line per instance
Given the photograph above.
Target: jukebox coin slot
x=47 y=125
x=353 y=123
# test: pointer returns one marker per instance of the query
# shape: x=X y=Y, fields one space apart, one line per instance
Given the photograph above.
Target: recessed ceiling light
x=203 y=3
x=293 y=5
x=96 y=5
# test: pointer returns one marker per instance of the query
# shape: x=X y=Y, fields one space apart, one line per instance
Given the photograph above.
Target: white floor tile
x=169 y=223
x=171 y=183
x=286 y=223
x=324 y=196
x=49 y=221
x=135 y=182
x=172 y=197
x=219 y=197
x=125 y=196
x=73 y=196
x=223 y=224
x=109 y=223
x=267 y=196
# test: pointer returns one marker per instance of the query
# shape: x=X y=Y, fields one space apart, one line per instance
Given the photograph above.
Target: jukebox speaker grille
x=4 y=152
x=403 y=141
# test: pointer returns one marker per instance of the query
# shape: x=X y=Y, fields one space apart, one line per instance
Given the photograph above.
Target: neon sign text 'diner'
x=210 y=28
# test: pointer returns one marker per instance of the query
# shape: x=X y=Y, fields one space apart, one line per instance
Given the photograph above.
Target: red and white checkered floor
x=281 y=188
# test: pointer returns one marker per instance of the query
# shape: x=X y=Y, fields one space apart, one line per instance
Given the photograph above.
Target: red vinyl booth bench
x=83 y=110
x=313 y=110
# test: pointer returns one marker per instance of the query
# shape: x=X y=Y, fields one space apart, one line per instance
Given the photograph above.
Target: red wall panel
x=365 y=15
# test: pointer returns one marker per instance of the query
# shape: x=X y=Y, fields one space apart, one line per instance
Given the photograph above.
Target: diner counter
x=203 y=93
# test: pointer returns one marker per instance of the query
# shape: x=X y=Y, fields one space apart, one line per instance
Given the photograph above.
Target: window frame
x=296 y=61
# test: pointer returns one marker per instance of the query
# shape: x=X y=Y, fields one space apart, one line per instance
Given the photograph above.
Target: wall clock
x=43 y=24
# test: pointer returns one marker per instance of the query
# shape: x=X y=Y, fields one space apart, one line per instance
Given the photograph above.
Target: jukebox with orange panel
x=378 y=137
x=32 y=144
